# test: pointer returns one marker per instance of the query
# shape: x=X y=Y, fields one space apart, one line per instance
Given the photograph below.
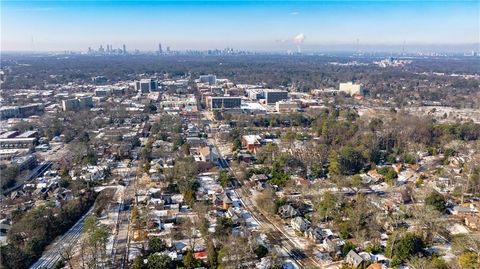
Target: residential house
x=332 y=245
x=217 y=200
x=287 y=211
x=354 y=259
x=156 y=203
x=92 y=173
x=251 y=142
x=208 y=154
x=259 y=177
x=195 y=142
x=202 y=255
x=227 y=202
x=245 y=157
x=157 y=177
x=315 y=234
x=300 y=224
x=233 y=215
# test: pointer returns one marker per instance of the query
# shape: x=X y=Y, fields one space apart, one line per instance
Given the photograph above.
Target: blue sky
x=253 y=25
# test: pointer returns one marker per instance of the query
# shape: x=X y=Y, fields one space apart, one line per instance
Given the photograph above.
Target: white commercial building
x=351 y=88
x=286 y=106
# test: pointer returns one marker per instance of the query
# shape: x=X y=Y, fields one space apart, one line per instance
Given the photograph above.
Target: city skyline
x=243 y=25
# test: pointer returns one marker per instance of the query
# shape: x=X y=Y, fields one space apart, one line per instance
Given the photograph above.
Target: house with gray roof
x=354 y=259
x=287 y=211
x=300 y=224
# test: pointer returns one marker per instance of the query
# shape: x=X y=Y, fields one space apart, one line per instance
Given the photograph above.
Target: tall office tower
x=146 y=85
x=108 y=48
x=168 y=49
x=210 y=79
x=101 y=49
x=70 y=104
x=160 y=48
x=124 y=49
x=85 y=102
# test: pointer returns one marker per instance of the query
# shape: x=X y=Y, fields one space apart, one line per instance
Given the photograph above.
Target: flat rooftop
x=252 y=106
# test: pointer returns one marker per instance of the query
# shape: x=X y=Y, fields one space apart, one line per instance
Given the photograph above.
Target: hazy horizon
x=276 y=26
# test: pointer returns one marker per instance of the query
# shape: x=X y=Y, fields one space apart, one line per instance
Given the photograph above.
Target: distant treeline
x=303 y=72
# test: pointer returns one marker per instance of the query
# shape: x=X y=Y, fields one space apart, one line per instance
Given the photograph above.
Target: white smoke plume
x=298 y=40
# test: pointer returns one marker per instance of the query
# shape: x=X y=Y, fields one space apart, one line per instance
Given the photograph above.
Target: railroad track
x=38 y=171
x=52 y=255
x=292 y=250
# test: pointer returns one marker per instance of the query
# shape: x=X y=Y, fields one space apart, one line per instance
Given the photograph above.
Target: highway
x=53 y=254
